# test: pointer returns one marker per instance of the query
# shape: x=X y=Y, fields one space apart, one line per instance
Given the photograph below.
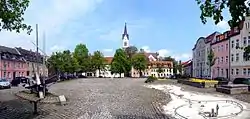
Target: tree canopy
x=120 y=63
x=238 y=10
x=11 y=15
x=81 y=54
x=139 y=62
x=98 y=61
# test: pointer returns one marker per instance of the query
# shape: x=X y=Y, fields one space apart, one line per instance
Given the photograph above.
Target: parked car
x=17 y=80
x=242 y=81
x=222 y=80
x=4 y=83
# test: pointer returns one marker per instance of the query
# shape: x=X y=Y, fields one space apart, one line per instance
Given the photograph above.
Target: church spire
x=125 y=33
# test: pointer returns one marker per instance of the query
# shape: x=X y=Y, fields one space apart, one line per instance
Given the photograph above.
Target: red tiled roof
x=108 y=60
x=163 y=63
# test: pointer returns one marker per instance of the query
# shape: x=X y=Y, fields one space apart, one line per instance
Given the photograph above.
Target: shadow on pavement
x=16 y=109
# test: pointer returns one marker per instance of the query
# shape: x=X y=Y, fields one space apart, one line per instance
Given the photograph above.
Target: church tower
x=125 y=38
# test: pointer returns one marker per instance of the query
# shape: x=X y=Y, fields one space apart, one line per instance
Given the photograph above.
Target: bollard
x=217 y=110
x=213 y=112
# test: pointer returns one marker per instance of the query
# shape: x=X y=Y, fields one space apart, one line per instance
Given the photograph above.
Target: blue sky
x=170 y=28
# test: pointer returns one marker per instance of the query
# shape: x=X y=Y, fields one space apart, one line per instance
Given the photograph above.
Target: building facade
x=240 y=66
x=220 y=48
x=200 y=52
x=187 y=68
x=12 y=64
x=156 y=67
x=33 y=62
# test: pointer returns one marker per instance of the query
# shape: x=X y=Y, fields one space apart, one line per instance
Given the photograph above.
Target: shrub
x=150 y=79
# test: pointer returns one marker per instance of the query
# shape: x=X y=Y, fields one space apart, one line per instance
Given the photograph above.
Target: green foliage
x=81 y=54
x=131 y=50
x=211 y=58
x=214 y=8
x=150 y=79
x=98 y=61
x=11 y=15
x=139 y=62
x=120 y=63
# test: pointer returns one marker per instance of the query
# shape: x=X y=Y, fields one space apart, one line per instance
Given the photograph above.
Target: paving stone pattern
x=91 y=99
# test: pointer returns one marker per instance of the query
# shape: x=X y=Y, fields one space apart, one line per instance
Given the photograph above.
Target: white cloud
x=146 y=48
x=164 y=52
x=223 y=25
x=56 y=48
x=52 y=16
x=183 y=57
x=107 y=50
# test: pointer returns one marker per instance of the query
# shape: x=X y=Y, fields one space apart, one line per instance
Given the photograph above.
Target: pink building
x=12 y=64
x=220 y=47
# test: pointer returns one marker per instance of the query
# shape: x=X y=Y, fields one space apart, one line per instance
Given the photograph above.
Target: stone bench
x=33 y=98
x=233 y=89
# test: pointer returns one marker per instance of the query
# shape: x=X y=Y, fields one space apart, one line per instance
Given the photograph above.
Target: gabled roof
x=211 y=37
x=30 y=55
x=4 y=49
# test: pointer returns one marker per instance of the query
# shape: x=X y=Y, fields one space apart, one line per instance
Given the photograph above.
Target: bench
x=33 y=98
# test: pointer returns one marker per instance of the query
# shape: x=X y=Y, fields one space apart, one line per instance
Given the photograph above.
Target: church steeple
x=125 y=37
x=125 y=33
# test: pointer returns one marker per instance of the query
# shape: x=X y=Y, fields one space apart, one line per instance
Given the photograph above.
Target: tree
x=130 y=51
x=246 y=53
x=82 y=57
x=11 y=15
x=211 y=61
x=169 y=58
x=120 y=63
x=55 y=63
x=139 y=62
x=214 y=8
x=98 y=61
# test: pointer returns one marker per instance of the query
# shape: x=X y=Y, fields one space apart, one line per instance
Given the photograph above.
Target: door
x=28 y=73
x=227 y=73
x=14 y=75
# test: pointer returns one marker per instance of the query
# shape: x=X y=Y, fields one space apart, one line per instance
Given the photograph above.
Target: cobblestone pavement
x=91 y=99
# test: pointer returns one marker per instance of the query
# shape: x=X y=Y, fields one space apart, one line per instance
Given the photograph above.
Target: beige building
x=239 y=65
x=156 y=68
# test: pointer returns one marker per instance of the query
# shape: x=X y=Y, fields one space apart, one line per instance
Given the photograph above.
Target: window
x=222 y=48
x=245 y=41
x=232 y=71
x=125 y=44
x=222 y=72
x=232 y=57
x=4 y=74
x=248 y=71
x=218 y=48
x=218 y=60
x=9 y=74
x=222 y=59
x=244 y=71
x=8 y=64
x=226 y=58
x=237 y=57
x=232 y=44
x=226 y=46
x=237 y=43
x=237 y=71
